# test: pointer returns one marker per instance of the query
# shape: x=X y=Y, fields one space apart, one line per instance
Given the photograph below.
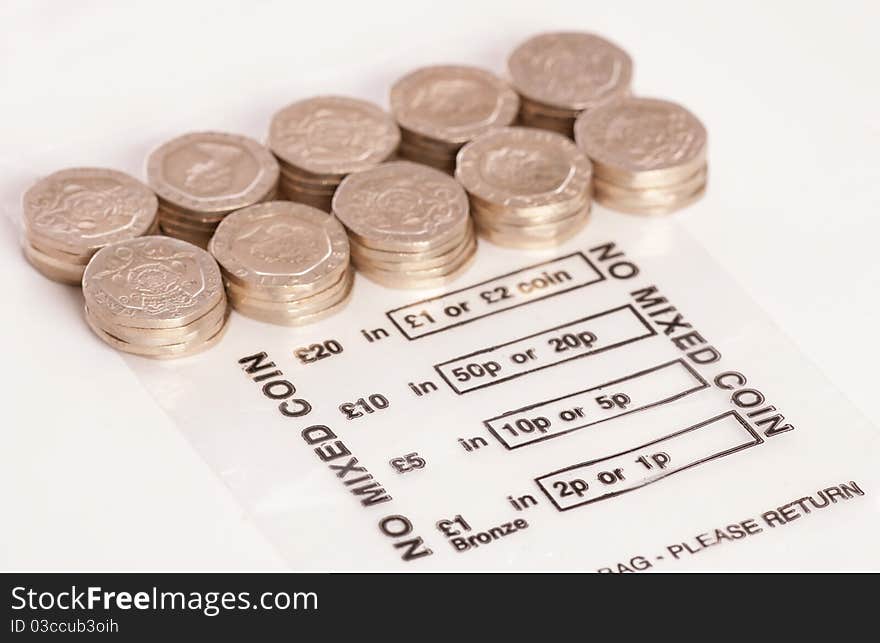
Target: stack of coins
x=155 y=296
x=441 y=108
x=320 y=140
x=284 y=263
x=528 y=188
x=559 y=75
x=408 y=225
x=71 y=214
x=649 y=155
x=203 y=176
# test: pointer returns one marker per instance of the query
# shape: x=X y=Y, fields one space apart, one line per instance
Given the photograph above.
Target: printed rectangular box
x=580 y=338
x=512 y=290
x=654 y=386
x=596 y=480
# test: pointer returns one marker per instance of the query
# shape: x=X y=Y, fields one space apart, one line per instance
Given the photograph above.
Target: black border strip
x=756 y=440
x=702 y=384
x=651 y=332
x=601 y=277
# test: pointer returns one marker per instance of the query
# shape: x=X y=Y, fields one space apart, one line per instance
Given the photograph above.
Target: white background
x=93 y=475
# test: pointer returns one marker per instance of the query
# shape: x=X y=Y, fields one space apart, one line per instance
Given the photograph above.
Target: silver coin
x=570 y=70
x=152 y=282
x=402 y=206
x=391 y=279
x=333 y=135
x=60 y=271
x=59 y=255
x=297 y=307
x=199 y=330
x=536 y=230
x=635 y=206
x=518 y=239
x=281 y=244
x=452 y=104
x=642 y=142
x=171 y=351
x=653 y=196
x=417 y=268
x=82 y=209
x=212 y=172
x=275 y=298
x=286 y=318
x=520 y=167
x=435 y=255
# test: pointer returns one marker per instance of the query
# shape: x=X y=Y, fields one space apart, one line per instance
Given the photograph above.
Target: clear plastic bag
x=614 y=404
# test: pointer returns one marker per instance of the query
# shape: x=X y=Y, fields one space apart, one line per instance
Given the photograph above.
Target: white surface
x=94 y=476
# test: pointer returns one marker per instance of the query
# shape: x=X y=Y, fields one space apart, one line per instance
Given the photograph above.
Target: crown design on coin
x=442 y=107
x=643 y=134
x=298 y=248
x=458 y=101
x=202 y=176
x=525 y=171
x=215 y=173
x=655 y=139
x=572 y=72
x=281 y=244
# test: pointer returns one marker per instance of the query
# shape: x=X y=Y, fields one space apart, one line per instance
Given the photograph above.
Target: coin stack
x=528 y=188
x=441 y=108
x=318 y=141
x=559 y=75
x=284 y=263
x=71 y=214
x=408 y=225
x=649 y=155
x=155 y=297
x=203 y=176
